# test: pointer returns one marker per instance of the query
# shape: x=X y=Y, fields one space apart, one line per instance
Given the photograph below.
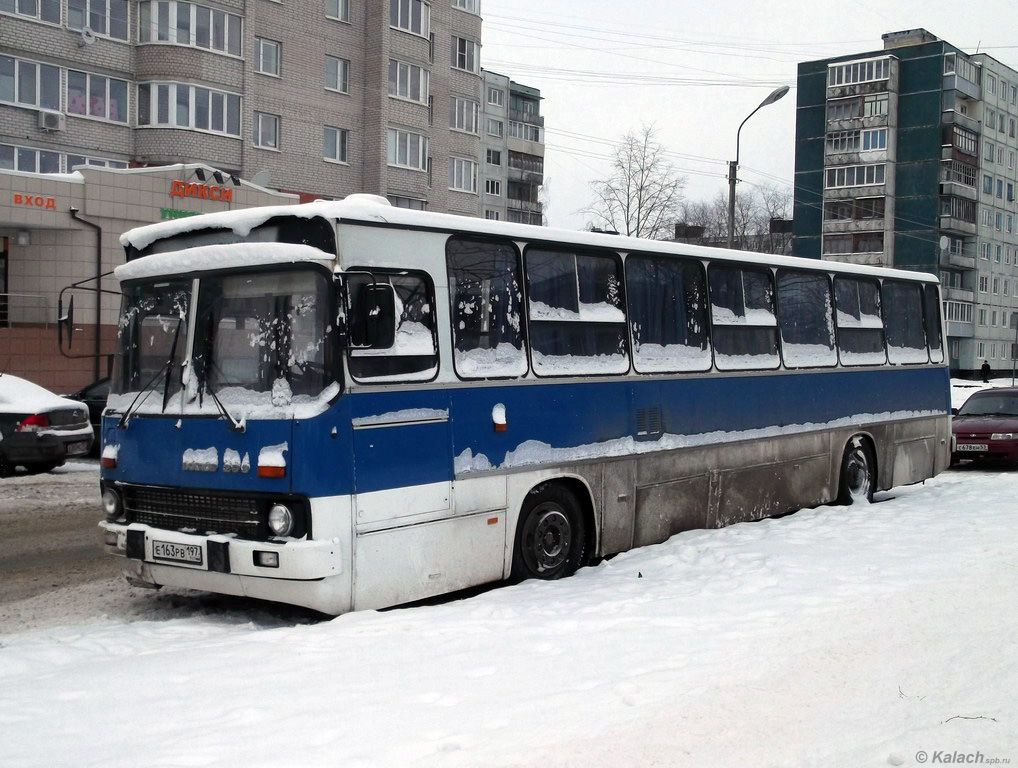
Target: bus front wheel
x=550 y=535
x=858 y=473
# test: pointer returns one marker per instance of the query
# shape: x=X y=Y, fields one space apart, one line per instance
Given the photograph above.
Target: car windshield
x=990 y=405
x=261 y=340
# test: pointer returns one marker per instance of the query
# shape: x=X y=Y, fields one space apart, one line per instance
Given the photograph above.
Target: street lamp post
x=733 y=166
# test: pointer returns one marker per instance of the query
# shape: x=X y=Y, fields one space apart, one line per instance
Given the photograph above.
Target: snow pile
x=21 y=395
x=833 y=637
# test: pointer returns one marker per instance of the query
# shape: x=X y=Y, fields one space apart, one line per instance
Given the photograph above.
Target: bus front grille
x=201 y=513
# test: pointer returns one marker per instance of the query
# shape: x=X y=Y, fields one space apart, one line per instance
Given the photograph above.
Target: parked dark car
x=94 y=396
x=39 y=430
x=986 y=426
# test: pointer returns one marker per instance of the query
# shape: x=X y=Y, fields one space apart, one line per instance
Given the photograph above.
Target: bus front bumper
x=297 y=572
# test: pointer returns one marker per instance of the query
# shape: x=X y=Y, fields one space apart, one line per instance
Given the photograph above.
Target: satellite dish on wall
x=87 y=37
x=945 y=243
x=263 y=178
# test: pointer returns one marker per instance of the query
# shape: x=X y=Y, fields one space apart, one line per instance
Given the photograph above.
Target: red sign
x=201 y=191
x=35 y=201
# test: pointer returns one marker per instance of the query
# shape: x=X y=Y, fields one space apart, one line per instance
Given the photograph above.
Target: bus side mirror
x=373 y=324
x=65 y=322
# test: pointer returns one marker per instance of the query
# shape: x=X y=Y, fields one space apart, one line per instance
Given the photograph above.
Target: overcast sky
x=695 y=71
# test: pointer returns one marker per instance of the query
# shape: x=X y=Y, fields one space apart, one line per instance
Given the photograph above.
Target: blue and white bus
x=346 y=405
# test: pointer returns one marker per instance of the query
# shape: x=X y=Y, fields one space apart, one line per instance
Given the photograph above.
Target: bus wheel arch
x=857 y=477
x=555 y=532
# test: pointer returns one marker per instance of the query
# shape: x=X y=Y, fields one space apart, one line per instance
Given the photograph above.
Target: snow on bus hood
x=220 y=256
x=242 y=404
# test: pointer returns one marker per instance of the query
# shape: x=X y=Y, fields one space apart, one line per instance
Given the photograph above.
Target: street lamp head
x=776 y=94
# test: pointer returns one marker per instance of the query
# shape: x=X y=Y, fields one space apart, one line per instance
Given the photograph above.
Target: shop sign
x=201 y=191
x=175 y=213
x=35 y=201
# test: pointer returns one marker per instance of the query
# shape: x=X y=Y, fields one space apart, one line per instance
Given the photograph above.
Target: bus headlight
x=111 y=504
x=1002 y=436
x=280 y=520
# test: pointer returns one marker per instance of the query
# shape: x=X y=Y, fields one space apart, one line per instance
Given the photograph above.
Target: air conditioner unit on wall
x=52 y=121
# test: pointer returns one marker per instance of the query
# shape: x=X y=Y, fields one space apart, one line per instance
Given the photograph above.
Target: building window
x=408 y=81
x=958 y=172
x=96 y=96
x=338 y=9
x=103 y=17
x=335 y=144
x=874 y=139
x=958 y=208
x=496 y=97
x=875 y=104
x=464 y=54
x=1000 y=189
x=988 y=151
x=410 y=16
x=984 y=251
x=998 y=221
x=494 y=157
x=470 y=6
x=462 y=174
x=854 y=176
x=843 y=141
x=337 y=74
x=981 y=349
x=857 y=242
x=860 y=208
x=524 y=131
x=858 y=72
x=180 y=23
x=996 y=290
x=495 y=127
x=997 y=253
x=29 y=159
x=991 y=84
x=411 y=203
x=267 y=56
x=987 y=184
x=982 y=317
x=984 y=284
x=463 y=114
x=491 y=215
x=266 y=130
x=25 y=82
x=959 y=311
x=44 y=10
x=407 y=149
x=493 y=187
x=178 y=105
x=990 y=119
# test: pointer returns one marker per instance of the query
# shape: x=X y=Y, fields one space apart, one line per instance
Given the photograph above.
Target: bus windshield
x=260 y=338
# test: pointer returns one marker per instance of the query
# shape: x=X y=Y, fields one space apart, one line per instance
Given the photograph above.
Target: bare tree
x=642 y=194
x=754 y=209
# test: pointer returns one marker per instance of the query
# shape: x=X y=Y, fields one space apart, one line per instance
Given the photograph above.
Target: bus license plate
x=972 y=446
x=178 y=553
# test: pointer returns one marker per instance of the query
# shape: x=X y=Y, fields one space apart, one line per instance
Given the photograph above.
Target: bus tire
x=550 y=535
x=858 y=479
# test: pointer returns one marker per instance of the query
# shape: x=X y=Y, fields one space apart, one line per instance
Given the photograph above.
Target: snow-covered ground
x=873 y=635
x=832 y=637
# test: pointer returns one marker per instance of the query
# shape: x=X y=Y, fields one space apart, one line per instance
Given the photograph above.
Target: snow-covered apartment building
x=906 y=157
x=256 y=100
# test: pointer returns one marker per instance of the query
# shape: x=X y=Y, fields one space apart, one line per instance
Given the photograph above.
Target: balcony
x=524 y=205
x=959 y=330
x=958 y=294
x=955 y=82
x=951 y=224
x=953 y=117
x=521 y=116
x=959 y=261
x=525 y=177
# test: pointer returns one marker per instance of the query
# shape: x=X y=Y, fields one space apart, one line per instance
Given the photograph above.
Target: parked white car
x=39 y=430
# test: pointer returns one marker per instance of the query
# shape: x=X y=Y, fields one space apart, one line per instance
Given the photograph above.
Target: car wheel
x=858 y=473
x=550 y=535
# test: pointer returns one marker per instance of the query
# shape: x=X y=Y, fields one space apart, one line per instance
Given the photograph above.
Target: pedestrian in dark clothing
x=985 y=369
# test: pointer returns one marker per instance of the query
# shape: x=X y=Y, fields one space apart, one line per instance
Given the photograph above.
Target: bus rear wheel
x=550 y=535
x=858 y=473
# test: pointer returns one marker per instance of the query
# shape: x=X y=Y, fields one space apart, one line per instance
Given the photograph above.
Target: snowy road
x=882 y=634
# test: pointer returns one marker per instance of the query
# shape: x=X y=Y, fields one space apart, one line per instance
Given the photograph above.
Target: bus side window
x=742 y=313
x=903 y=322
x=576 y=313
x=860 y=326
x=934 y=339
x=413 y=355
x=805 y=317
x=667 y=314
x=486 y=297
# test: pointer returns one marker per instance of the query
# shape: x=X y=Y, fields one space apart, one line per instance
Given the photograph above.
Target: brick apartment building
x=315 y=98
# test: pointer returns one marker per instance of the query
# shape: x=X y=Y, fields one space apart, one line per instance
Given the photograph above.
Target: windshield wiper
x=147 y=390
x=205 y=386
